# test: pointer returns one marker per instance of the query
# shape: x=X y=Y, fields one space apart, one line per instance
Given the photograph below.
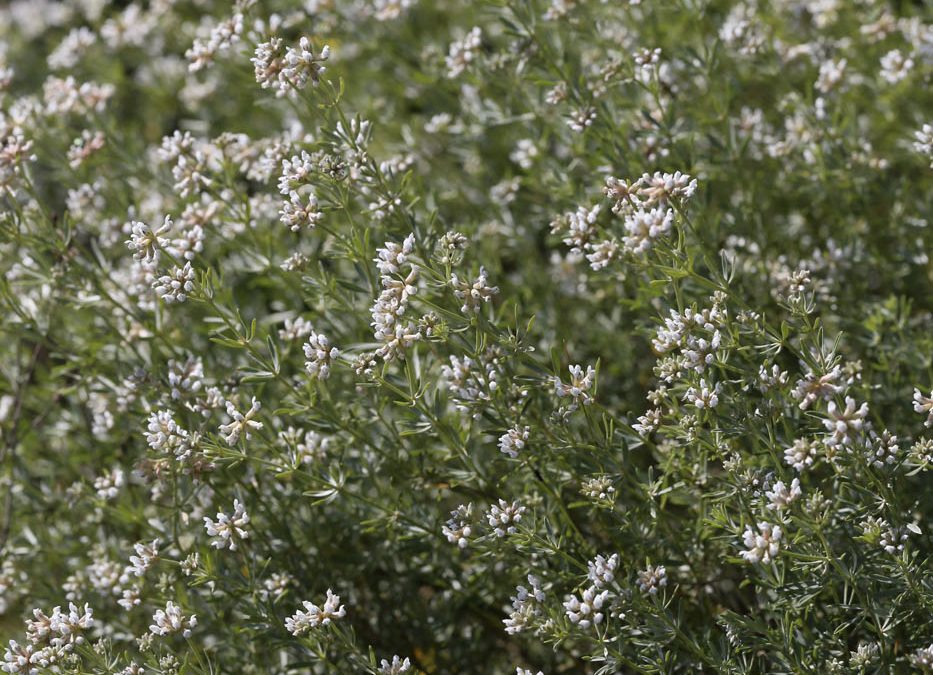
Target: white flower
x=768 y=380
x=268 y=64
x=581 y=118
x=602 y=253
x=586 y=610
x=172 y=620
x=473 y=295
x=580 y=225
x=801 y=454
x=303 y=65
x=457 y=529
x=320 y=355
x=396 y=667
x=924 y=406
x=892 y=540
x=598 y=489
x=241 y=423
x=645 y=58
x=389 y=308
x=811 y=387
x=660 y=188
x=580 y=384
x=648 y=422
x=831 y=74
x=145 y=243
x=295 y=329
x=643 y=228
x=763 y=546
x=391 y=257
x=923 y=142
x=108 y=485
x=844 y=424
x=923 y=658
x=313 y=616
x=703 y=396
x=296 y=172
x=146 y=554
x=164 y=434
x=883 y=449
x=275 y=586
x=83 y=147
x=602 y=570
x=222 y=36
x=513 y=441
x=463 y=51
x=297 y=213
x=228 y=530
x=60 y=631
x=386 y=10
x=780 y=496
x=525 y=153
x=525 y=605
x=175 y=286
x=651 y=579
x=895 y=66
x=504 y=516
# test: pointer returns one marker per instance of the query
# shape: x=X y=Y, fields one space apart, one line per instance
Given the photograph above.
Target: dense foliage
x=385 y=336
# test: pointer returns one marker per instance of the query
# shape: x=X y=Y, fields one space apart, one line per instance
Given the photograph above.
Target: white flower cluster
x=923 y=658
x=512 y=442
x=15 y=151
x=313 y=616
x=923 y=144
x=601 y=570
x=651 y=579
x=697 y=334
x=288 y=71
x=228 y=530
x=470 y=383
x=801 y=454
x=780 y=496
x=165 y=435
x=146 y=555
x=644 y=227
x=108 y=484
x=503 y=517
x=845 y=425
x=458 y=527
x=581 y=382
x=526 y=605
x=49 y=639
x=895 y=66
x=175 y=286
x=241 y=423
x=703 y=396
x=300 y=211
x=398 y=277
x=398 y=665
x=924 y=406
x=147 y=243
x=172 y=620
x=764 y=545
x=473 y=295
x=222 y=37
x=587 y=609
x=463 y=52
x=321 y=356
x=813 y=387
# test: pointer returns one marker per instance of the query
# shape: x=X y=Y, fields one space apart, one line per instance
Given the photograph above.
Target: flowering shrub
x=516 y=336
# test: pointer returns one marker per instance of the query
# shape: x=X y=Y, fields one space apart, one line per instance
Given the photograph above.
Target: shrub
x=419 y=336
